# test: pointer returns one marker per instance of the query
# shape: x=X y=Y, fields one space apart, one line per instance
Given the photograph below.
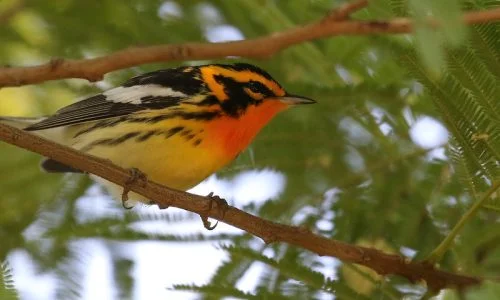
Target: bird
x=177 y=126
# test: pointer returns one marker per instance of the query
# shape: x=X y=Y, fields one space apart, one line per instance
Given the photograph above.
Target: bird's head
x=244 y=98
x=241 y=88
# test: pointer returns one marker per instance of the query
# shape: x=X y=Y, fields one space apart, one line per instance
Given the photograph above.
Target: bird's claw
x=221 y=205
x=135 y=176
x=207 y=224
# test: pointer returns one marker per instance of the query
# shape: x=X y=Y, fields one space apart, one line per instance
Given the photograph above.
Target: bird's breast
x=177 y=154
x=231 y=135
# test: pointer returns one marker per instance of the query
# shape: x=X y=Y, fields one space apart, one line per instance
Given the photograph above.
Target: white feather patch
x=133 y=94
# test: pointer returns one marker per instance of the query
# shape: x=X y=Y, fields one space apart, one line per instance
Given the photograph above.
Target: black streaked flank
x=102 y=124
x=201 y=116
x=147 y=135
x=185 y=132
x=173 y=131
x=111 y=141
x=197 y=142
x=123 y=138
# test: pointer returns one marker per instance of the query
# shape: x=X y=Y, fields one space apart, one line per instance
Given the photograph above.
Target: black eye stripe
x=239 y=94
x=258 y=87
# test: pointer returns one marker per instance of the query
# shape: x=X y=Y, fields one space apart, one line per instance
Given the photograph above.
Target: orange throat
x=233 y=135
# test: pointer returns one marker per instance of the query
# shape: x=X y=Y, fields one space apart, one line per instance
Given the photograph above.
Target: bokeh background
x=403 y=139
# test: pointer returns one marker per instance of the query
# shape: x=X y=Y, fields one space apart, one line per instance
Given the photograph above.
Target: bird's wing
x=155 y=90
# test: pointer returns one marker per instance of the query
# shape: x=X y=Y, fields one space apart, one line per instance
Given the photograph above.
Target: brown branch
x=262 y=47
x=382 y=263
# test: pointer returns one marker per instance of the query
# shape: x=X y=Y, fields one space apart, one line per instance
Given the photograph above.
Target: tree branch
x=263 y=47
x=382 y=263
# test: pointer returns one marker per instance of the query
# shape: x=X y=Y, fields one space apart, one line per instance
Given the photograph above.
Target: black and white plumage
x=154 y=90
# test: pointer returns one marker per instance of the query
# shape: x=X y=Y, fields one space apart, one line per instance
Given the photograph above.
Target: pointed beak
x=295 y=100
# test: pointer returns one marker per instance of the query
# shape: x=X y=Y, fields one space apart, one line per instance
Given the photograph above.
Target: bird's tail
x=19 y=122
x=22 y=122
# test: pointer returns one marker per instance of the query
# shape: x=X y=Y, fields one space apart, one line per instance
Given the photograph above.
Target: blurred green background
x=405 y=136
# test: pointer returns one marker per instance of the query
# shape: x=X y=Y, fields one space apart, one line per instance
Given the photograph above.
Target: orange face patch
x=233 y=135
x=208 y=74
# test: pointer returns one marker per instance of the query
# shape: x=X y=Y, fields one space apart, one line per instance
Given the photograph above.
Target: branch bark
x=263 y=47
x=268 y=231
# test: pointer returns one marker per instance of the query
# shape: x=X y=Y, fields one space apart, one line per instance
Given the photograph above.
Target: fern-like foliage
x=467 y=98
x=468 y=114
x=294 y=279
x=7 y=286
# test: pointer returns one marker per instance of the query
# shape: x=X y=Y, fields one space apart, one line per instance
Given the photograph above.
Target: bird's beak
x=295 y=100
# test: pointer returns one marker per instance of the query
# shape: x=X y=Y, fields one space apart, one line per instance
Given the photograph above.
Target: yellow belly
x=177 y=161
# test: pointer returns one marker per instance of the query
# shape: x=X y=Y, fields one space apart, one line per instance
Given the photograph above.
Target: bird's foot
x=221 y=205
x=135 y=176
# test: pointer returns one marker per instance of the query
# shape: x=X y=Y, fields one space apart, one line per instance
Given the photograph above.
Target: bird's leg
x=221 y=205
x=135 y=176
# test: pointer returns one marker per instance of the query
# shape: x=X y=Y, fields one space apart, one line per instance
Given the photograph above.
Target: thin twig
x=441 y=249
x=262 y=47
x=382 y=263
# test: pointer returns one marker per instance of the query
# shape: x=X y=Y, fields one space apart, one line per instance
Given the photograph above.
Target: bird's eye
x=256 y=87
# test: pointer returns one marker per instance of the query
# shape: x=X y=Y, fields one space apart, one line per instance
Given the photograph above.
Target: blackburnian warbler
x=177 y=126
